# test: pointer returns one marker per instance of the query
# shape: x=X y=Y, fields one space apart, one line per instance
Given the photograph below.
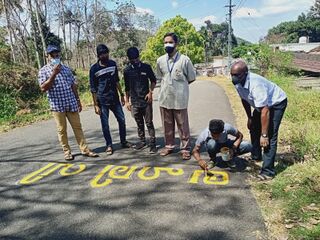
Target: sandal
x=185 y=155
x=68 y=156
x=109 y=151
x=165 y=151
x=90 y=154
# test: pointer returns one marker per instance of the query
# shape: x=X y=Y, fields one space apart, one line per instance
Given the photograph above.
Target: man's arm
x=153 y=82
x=238 y=140
x=190 y=73
x=265 y=117
x=196 y=155
x=247 y=108
x=46 y=85
x=75 y=92
x=127 y=90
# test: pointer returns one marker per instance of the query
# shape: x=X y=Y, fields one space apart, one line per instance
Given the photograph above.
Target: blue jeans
x=213 y=147
x=269 y=153
x=118 y=113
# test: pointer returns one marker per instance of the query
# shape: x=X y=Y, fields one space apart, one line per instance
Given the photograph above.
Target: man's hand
x=79 y=105
x=123 y=102
x=128 y=106
x=97 y=110
x=56 y=69
x=249 y=122
x=203 y=164
x=149 y=97
x=264 y=141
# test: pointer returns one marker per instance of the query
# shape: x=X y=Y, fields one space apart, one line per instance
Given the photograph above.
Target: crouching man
x=214 y=138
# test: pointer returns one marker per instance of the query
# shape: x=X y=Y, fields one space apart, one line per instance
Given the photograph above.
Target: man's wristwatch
x=264 y=135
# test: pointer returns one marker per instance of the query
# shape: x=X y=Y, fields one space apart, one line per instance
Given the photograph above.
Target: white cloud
x=271 y=7
x=144 y=10
x=198 y=22
x=174 y=4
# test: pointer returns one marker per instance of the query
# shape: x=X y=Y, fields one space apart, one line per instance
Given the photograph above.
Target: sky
x=251 y=19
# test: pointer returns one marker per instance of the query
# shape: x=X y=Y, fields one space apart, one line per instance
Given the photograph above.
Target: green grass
x=297 y=186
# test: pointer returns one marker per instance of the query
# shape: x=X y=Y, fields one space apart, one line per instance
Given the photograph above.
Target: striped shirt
x=60 y=95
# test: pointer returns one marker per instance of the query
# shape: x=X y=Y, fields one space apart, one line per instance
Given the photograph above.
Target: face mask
x=55 y=61
x=239 y=80
x=169 y=47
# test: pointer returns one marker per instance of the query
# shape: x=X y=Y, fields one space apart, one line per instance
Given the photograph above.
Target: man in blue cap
x=58 y=81
x=139 y=91
x=104 y=86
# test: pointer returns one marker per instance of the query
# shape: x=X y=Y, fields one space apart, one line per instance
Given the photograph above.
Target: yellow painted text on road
x=111 y=172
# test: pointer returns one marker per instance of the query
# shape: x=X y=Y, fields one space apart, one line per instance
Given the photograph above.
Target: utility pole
x=230 y=6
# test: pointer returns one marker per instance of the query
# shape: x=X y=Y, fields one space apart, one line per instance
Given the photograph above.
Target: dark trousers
x=144 y=115
x=269 y=153
x=118 y=113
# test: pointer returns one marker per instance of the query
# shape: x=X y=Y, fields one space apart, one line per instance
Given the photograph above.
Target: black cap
x=101 y=49
x=52 y=48
x=216 y=126
x=133 y=53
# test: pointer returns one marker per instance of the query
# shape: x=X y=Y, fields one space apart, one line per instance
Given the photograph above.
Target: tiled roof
x=307 y=65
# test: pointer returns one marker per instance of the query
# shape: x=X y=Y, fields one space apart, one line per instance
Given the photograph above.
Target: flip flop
x=90 y=154
x=68 y=156
x=165 y=151
x=109 y=151
x=186 y=155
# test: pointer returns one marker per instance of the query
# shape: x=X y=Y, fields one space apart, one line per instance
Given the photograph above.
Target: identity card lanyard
x=170 y=69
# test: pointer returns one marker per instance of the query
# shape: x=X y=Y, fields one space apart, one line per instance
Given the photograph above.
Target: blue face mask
x=169 y=47
x=239 y=79
x=55 y=61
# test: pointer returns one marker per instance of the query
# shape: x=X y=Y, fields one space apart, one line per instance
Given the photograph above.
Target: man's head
x=216 y=127
x=133 y=55
x=53 y=53
x=239 y=72
x=170 y=41
x=102 y=52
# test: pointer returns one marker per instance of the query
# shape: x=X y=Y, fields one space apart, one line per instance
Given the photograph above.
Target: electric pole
x=230 y=6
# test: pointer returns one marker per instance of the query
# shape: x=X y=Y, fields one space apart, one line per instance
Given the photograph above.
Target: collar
x=174 y=56
x=247 y=84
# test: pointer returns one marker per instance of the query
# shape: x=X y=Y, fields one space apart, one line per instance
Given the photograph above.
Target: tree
x=216 y=37
x=191 y=42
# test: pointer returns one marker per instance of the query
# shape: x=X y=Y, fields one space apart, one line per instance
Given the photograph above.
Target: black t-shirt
x=103 y=82
x=137 y=82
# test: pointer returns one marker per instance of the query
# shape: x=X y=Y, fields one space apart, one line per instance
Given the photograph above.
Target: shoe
x=165 y=151
x=264 y=177
x=68 y=156
x=211 y=164
x=153 y=149
x=90 y=154
x=139 y=145
x=231 y=164
x=109 y=151
x=126 y=144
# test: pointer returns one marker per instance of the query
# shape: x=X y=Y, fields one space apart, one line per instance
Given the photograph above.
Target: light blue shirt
x=259 y=92
x=205 y=135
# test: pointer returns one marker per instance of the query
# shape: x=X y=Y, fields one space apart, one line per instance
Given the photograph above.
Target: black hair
x=101 y=49
x=132 y=53
x=216 y=126
x=173 y=35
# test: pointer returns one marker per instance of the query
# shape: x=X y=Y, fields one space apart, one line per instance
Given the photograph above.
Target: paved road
x=129 y=195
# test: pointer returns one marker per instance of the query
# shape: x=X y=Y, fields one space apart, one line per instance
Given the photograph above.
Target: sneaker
x=231 y=164
x=126 y=144
x=153 y=149
x=139 y=145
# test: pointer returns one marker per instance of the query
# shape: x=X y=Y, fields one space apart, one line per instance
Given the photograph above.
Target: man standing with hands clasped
x=58 y=81
x=176 y=72
x=269 y=102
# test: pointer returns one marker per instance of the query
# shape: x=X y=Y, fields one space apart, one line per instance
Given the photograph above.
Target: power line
x=230 y=6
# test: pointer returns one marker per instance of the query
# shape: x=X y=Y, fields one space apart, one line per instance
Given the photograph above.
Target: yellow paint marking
x=157 y=170
x=114 y=173
x=213 y=177
x=95 y=182
x=64 y=171
x=41 y=173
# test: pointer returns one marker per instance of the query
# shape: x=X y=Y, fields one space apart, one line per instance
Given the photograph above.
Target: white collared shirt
x=260 y=92
x=175 y=73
